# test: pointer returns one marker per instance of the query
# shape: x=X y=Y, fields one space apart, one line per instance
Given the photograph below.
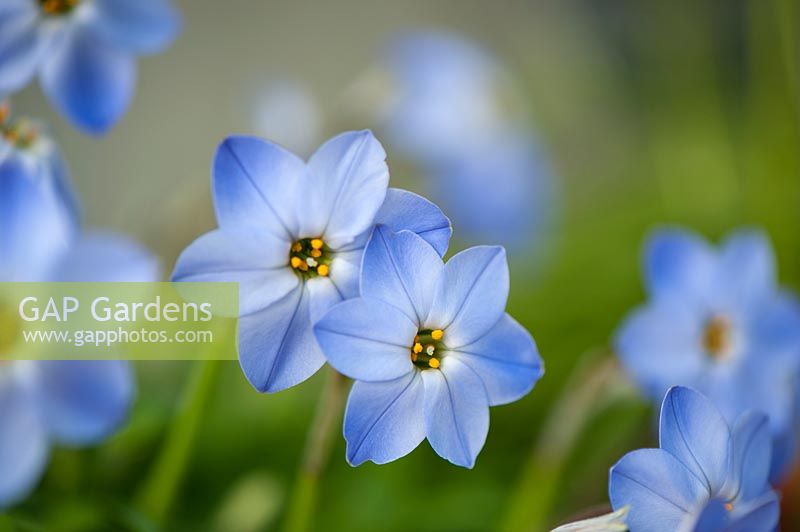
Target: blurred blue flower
x=83 y=52
x=430 y=347
x=717 y=321
x=452 y=108
x=613 y=522
x=56 y=402
x=700 y=460
x=286 y=111
x=292 y=235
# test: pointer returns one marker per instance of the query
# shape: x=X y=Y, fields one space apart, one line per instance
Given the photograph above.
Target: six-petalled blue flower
x=66 y=402
x=83 y=52
x=430 y=347
x=701 y=464
x=717 y=321
x=292 y=234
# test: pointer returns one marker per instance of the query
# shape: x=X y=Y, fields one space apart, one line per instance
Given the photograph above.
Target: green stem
x=532 y=499
x=317 y=453
x=160 y=487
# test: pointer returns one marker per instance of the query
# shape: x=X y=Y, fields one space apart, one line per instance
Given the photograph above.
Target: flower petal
x=659 y=490
x=405 y=210
x=257 y=184
x=87 y=81
x=456 y=412
x=345 y=272
x=105 y=257
x=752 y=455
x=256 y=260
x=277 y=348
x=367 y=339
x=694 y=431
x=506 y=359
x=679 y=263
x=324 y=295
x=401 y=269
x=759 y=515
x=658 y=345
x=384 y=420
x=83 y=402
x=34 y=227
x=747 y=266
x=24 y=448
x=471 y=295
x=346 y=186
x=711 y=517
x=21 y=44
x=144 y=26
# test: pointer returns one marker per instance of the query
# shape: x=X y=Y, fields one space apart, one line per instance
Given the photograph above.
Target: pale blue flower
x=43 y=403
x=83 y=52
x=430 y=348
x=292 y=234
x=717 y=321
x=700 y=460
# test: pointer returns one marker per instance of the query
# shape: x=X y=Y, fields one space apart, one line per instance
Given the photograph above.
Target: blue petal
x=747 y=265
x=277 y=348
x=347 y=183
x=759 y=515
x=384 y=420
x=323 y=295
x=402 y=270
x=658 y=345
x=35 y=229
x=105 y=257
x=24 y=448
x=712 y=518
x=21 y=45
x=405 y=210
x=144 y=26
x=752 y=455
x=658 y=488
x=84 y=402
x=694 y=431
x=471 y=295
x=367 y=339
x=456 y=412
x=773 y=328
x=257 y=184
x=87 y=81
x=345 y=272
x=506 y=359
x=679 y=264
x=256 y=260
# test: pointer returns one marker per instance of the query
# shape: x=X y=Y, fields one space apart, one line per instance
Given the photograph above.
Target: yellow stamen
x=413 y=357
x=303 y=266
x=437 y=334
x=316 y=253
x=316 y=243
x=297 y=247
x=295 y=262
x=434 y=363
x=417 y=347
x=323 y=270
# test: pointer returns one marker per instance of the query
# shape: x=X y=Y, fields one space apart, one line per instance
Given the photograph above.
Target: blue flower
x=55 y=402
x=292 y=235
x=701 y=463
x=83 y=52
x=717 y=321
x=430 y=347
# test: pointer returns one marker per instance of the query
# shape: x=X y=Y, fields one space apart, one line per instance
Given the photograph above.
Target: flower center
x=20 y=134
x=58 y=7
x=310 y=257
x=427 y=350
x=717 y=337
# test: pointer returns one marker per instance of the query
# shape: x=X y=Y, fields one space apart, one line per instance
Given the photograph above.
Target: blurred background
x=626 y=115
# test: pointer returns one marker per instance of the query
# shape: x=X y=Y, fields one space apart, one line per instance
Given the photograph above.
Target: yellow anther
x=303 y=266
x=413 y=357
x=295 y=262
x=417 y=348
x=316 y=253
x=297 y=247
x=316 y=243
x=323 y=270
x=434 y=363
x=437 y=334
x=416 y=339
